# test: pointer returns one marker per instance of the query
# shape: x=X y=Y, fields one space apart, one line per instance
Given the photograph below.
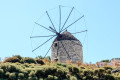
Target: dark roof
x=65 y=36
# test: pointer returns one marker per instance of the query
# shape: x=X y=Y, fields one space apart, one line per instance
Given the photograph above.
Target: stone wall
x=67 y=50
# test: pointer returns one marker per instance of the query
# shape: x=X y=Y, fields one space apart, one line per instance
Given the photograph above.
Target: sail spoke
x=79 y=32
x=73 y=22
x=47 y=51
x=50 y=20
x=43 y=27
x=41 y=36
x=42 y=44
x=67 y=19
x=52 y=29
x=60 y=17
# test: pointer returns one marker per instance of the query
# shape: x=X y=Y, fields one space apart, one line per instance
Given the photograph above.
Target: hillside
x=25 y=68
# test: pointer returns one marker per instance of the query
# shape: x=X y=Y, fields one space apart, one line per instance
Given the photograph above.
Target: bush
x=101 y=70
x=28 y=60
x=50 y=77
x=61 y=64
x=12 y=76
x=20 y=76
x=39 y=61
x=55 y=77
x=109 y=77
x=108 y=71
x=32 y=76
x=69 y=68
x=49 y=70
x=88 y=77
x=56 y=71
x=46 y=61
x=106 y=68
x=12 y=59
x=105 y=60
x=1 y=73
x=117 y=77
x=85 y=72
x=9 y=67
x=18 y=56
x=41 y=79
x=73 y=78
x=7 y=74
x=39 y=72
x=95 y=71
x=75 y=70
x=13 y=68
x=95 y=77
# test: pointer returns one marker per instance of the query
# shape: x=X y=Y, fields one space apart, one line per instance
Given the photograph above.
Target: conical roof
x=65 y=36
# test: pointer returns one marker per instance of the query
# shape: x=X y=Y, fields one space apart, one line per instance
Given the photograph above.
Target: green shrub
x=106 y=68
x=41 y=79
x=109 y=77
x=88 y=77
x=73 y=78
x=12 y=59
x=7 y=74
x=32 y=76
x=9 y=67
x=75 y=70
x=108 y=71
x=56 y=71
x=95 y=77
x=105 y=60
x=69 y=68
x=82 y=67
x=61 y=64
x=50 y=77
x=39 y=61
x=26 y=65
x=39 y=57
x=1 y=73
x=55 y=77
x=84 y=78
x=95 y=71
x=39 y=72
x=50 y=70
x=28 y=60
x=18 y=56
x=68 y=76
x=13 y=68
x=60 y=72
x=12 y=76
x=101 y=70
x=85 y=72
x=117 y=77
x=25 y=72
x=20 y=76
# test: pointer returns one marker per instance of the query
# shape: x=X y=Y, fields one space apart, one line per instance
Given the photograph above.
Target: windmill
x=64 y=46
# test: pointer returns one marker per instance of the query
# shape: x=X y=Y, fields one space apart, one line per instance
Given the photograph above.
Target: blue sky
x=102 y=18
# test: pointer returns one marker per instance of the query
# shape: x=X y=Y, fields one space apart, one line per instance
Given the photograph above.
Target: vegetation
x=12 y=59
x=43 y=69
x=105 y=60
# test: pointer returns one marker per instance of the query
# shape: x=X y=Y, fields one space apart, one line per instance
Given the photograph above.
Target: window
x=55 y=45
